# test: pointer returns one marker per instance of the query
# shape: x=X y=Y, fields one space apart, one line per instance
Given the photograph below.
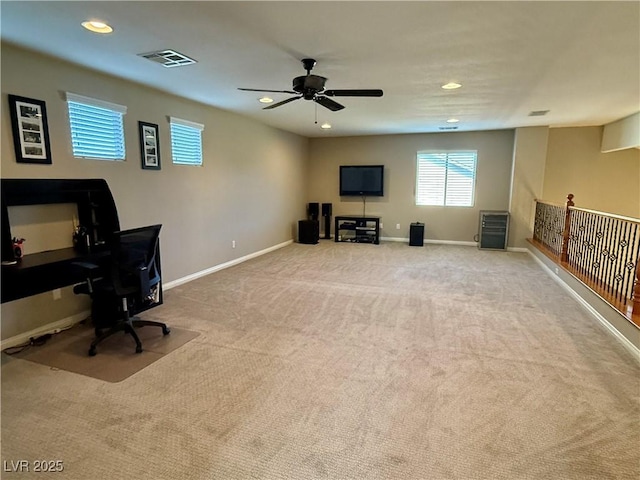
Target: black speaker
x=309 y=231
x=327 y=209
x=314 y=210
x=416 y=235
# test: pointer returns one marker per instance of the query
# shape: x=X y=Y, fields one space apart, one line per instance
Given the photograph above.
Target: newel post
x=564 y=257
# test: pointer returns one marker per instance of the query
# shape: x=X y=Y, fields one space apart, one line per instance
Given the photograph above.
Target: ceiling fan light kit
x=311 y=87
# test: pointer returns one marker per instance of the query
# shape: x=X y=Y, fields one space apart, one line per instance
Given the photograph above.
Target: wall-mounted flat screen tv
x=362 y=180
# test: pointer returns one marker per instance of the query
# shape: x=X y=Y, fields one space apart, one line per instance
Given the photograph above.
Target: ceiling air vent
x=448 y=128
x=168 y=58
x=538 y=113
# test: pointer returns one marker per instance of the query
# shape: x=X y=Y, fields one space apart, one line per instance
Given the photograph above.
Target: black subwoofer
x=308 y=231
x=416 y=235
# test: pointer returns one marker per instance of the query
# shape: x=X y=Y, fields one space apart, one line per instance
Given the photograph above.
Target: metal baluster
x=628 y=286
x=635 y=260
x=580 y=257
x=599 y=271
x=554 y=230
x=536 y=225
x=590 y=221
x=574 y=244
x=627 y=280
x=586 y=240
x=559 y=229
x=621 y=249
x=611 y=263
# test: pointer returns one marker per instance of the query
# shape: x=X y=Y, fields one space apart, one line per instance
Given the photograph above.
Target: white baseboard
x=53 y=327
x=452 y=242
x=626 y=343
x=433 y=242
x=394 y=239
x=222 y=266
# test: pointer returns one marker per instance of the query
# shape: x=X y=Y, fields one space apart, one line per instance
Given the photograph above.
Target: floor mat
x=116 y=358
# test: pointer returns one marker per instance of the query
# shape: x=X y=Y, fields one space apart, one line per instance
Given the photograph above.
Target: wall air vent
x=538 y=113
x=448 y=128
x=168 y=58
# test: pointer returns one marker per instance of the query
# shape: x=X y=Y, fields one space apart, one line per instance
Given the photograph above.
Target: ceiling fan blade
x=271 y=91
x=353 y=93
x=281 y=103
x=328 y=103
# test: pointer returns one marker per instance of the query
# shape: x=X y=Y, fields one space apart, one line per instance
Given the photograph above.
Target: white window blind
x=186 y=142
x=97 y=129
x=446 y=178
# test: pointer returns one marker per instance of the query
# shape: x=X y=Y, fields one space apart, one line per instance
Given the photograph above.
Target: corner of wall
x=621 y=134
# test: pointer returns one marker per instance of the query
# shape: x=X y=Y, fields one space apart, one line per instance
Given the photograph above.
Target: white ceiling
x=580 y=60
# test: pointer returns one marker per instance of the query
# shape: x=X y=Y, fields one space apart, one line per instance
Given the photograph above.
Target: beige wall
x=529 y=154
x=251 y=188
x=608 y=182
x=398 y=154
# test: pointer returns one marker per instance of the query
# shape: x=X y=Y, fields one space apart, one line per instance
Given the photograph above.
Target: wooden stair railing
x=600 y=249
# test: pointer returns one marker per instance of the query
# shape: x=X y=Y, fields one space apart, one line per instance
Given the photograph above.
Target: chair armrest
x=89 y=270
x=86 y=266
x=143 y=281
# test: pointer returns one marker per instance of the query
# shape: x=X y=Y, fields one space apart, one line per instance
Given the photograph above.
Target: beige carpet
x=340 y=361
x=116 y=358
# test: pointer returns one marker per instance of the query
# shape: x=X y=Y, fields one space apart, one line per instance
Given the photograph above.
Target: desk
x=45 y=271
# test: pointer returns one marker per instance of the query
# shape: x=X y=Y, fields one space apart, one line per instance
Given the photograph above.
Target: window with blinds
x=186 y=142
x=97 y=129
x=446 y=178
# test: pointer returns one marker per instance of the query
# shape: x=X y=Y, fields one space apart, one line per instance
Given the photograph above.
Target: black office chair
x=129 y=282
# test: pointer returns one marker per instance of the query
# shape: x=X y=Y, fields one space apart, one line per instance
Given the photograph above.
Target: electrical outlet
x=557 y=271
x=381 y=226
x=233 y=244
x=57 y=294
x=397 y=226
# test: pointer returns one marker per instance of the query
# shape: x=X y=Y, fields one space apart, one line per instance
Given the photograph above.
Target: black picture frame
x=149 y=146
x=30 y=130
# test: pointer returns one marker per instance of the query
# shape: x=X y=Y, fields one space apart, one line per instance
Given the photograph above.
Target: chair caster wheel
x=166 y=330
x=138 y=349
x=92 y=352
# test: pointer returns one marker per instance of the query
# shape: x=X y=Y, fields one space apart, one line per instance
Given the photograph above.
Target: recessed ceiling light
x=97 y=26
x=326 y=126
x=451 y=86
x=453 y=120
x=265 y=100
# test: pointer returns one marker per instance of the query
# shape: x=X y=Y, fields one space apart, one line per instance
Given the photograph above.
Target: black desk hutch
x=46 y=271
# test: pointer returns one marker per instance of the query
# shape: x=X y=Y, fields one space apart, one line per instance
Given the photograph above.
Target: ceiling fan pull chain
x=316 y=108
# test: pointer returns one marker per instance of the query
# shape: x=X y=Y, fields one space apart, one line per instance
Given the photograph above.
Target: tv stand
x=357 y=229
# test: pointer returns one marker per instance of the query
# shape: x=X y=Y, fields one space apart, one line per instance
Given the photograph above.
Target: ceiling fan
x=311 y=87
